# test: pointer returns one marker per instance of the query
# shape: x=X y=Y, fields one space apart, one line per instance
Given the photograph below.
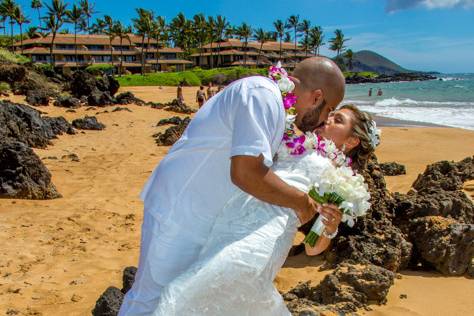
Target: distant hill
x=366 y=60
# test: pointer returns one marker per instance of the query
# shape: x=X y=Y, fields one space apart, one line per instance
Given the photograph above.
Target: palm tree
x=122 y=32
x=337 y=42
x=305 y=27
x=88 y=9
x=287 y=38
x=76 y=17
x=279 y=31
x=8 y=9
x=221 y=27
x=3 y=20
x=179 y=30
x=21 y=19
x=262 y=37
x=98 y=27
x=200 y=29
x=109 y=30
x=244 y=31
x=159 y=33
x=316 y=39
x=294 y=23
x=33 y=32
x=143 y=25
x=349 y=56
x=37 y=5
x=211 y=34
x=54 y=20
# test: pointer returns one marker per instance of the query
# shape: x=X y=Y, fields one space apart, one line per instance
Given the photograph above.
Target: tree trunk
x=51 y=56
x=280 y=47
x=11 y=33
x=259 y=54
x=75 y=45
x=39 y=17
x=121 y=56
x=143 y=57
x=212 y=57
x=146 y=50
x=21 y=37
x=218 y=54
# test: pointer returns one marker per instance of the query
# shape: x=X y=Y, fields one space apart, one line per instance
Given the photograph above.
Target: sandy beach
x=59 y=255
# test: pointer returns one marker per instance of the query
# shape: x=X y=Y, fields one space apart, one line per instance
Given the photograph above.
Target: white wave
x=450 y=78
x=454 y=114
x=409 y=102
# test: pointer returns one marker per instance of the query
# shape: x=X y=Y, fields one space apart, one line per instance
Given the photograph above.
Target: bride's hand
x=307 y=209
x=332 y=217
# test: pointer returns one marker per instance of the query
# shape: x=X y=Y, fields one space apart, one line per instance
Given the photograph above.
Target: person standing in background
x=379 y=92
x=179 y=93
x=370 y=92
x=200 y=96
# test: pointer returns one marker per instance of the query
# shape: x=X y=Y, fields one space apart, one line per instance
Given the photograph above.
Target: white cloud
x=397 y=5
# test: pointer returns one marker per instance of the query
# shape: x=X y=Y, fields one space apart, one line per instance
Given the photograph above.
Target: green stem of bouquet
x=331 y=198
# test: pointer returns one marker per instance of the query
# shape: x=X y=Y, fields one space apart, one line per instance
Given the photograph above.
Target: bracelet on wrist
x=330 y=236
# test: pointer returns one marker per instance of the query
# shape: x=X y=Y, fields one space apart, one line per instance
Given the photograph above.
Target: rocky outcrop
x=23 y=174
x=412 y=76
x=443 y=243
x=110 y=301
x=67 y=102
x=175 y=120
x=128 y=97
x=374 y=238
x=173 y=106
x=438 y=217
x=99 y=92
x=348 y=288
x=392 y=169
x=25 y=124
x=172 y=134
x=88 y=123
x=38 y=97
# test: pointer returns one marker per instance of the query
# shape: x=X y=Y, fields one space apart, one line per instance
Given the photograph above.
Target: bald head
x=321 y=73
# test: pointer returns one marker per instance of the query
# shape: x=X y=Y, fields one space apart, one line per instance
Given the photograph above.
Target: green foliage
x=160 y=79
x=43 y=68
x=8 y=56
x=99 y=69
x=365 y=74
x=4 y=87
x=194 y=77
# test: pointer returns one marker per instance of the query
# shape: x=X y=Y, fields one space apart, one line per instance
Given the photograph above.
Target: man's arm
x=252 y=176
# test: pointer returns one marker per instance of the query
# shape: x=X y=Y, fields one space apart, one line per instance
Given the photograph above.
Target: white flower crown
x=374 y=134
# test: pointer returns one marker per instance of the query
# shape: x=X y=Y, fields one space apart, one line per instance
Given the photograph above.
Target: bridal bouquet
x=342 y=187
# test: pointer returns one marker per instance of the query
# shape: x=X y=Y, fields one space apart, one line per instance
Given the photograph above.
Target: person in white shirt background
x=229 y=145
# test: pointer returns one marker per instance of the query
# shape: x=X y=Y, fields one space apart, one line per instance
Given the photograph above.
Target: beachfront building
x=233 y=52
x=97 y=49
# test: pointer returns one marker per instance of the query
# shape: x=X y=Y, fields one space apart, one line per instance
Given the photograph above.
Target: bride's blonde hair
x=361 y=129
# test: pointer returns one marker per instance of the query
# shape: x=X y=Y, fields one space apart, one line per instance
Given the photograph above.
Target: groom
x=228 y=146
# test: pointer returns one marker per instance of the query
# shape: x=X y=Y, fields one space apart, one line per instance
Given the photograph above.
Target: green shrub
x=4 y=87
x=8 y=56
x=100 y=69
x=160 y=79
x=194 y=77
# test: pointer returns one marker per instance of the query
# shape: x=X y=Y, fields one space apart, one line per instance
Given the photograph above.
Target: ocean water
x=448 y=101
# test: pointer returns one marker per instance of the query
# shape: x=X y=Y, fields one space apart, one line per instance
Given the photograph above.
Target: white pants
x=164 y=254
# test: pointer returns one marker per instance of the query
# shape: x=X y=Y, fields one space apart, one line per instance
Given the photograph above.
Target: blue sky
x=417 y=34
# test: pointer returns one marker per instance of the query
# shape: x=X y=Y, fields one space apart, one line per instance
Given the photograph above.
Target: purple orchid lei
x=299 y=144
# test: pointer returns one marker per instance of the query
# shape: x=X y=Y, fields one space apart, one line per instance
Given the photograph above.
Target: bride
x=251 y=239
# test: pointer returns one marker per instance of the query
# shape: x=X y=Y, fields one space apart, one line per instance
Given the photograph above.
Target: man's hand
x=307 y=210
x=332 y=217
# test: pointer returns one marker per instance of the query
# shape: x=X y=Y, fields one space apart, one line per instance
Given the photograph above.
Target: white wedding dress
x=247 y=246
